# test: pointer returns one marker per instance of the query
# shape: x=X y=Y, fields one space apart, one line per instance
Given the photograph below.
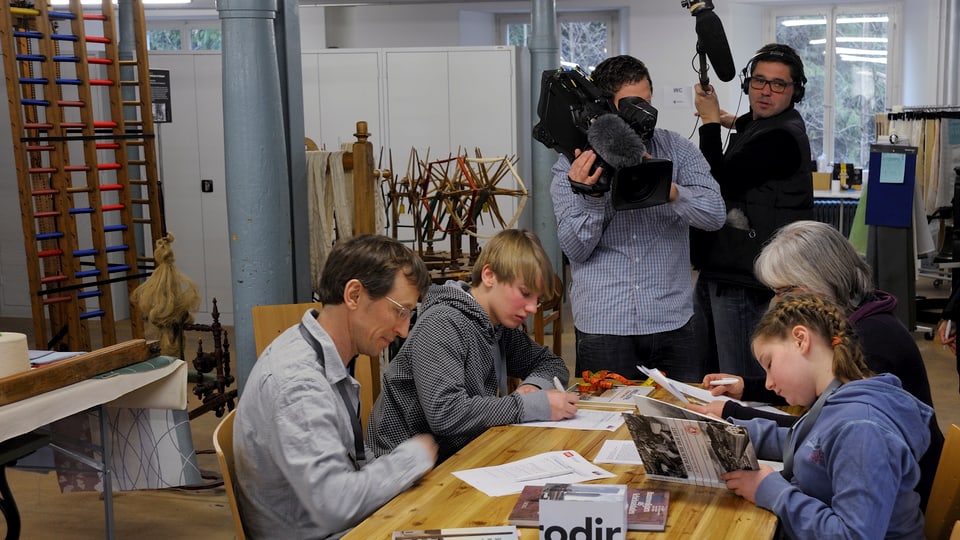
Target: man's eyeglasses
x=777 y=86
x=780 y=291
x=403 y=312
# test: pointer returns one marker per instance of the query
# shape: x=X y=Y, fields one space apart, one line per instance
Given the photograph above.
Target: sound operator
x=632 y=290
x=765 y=178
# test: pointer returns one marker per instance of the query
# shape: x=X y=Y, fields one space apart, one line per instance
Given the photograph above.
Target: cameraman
x=632 y=290
x=765 y=178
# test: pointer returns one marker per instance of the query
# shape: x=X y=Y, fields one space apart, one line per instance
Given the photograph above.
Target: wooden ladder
x=77 y=217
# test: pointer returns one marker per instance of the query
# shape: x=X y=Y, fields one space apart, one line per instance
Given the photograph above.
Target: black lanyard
x=342 y=388
x=799 y=430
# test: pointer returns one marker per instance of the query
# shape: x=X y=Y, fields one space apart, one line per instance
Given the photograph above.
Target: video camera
x=574 y=112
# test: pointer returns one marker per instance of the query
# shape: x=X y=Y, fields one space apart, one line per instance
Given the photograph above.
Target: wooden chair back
x=223 y=445
x=943 y=508
x=271 y=321
x=551 y=313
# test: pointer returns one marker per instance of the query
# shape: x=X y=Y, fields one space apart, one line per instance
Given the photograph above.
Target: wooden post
x=364 y=209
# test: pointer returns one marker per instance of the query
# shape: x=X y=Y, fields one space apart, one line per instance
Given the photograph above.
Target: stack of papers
x=42 y=358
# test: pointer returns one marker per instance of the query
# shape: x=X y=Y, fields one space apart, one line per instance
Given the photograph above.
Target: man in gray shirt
x=302 y=468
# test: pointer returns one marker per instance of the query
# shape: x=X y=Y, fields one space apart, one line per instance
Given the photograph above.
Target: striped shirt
x=630 y=269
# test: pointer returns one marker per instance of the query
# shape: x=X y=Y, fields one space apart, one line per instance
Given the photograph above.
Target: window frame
x=894 y=66
x=186 y=29
x=611 y=17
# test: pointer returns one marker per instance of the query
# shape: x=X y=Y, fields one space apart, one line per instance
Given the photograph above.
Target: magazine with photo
x=679 y=445
x=646 y=508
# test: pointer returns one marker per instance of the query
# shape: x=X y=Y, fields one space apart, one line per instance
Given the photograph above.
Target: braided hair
x=824 y=319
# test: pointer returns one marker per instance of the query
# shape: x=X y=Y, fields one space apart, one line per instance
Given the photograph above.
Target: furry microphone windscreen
x=615 y=141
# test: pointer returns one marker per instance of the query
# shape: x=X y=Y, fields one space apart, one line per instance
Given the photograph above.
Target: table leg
x=107 y=473
x=8 y=506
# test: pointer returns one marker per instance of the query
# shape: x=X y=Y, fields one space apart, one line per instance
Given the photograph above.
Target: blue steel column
x=544 y=55
x=258 y=196
x=291 y=88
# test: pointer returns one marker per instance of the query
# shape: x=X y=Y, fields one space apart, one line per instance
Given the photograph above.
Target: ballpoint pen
x=558 y=385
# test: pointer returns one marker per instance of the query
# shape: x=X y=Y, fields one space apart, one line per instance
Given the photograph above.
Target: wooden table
x=441 y=499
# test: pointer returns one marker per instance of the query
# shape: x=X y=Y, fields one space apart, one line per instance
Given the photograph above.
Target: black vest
x=728 y=254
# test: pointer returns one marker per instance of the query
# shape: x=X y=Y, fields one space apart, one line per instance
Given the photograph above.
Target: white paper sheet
x=587 y=419
x=503 y=479
x=618 y=451
x=683 y=390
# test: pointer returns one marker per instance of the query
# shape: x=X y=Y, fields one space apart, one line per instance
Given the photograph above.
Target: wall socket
x=206 y=185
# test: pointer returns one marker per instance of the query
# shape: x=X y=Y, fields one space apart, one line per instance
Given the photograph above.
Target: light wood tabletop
x=442 y=500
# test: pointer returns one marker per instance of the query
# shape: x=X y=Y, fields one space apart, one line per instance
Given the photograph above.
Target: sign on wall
x=160 y=95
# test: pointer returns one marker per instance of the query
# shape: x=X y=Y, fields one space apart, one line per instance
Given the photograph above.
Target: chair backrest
x=943 y=508
x=555 y=319
x=270 y=321
x=223 y=445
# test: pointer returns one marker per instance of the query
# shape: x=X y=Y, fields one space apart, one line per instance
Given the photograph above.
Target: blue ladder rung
x=81 y=211
x=114 y=249
x=87 y=273
x=114 y=228
x=49 y=235
x=63 y=37
x=61 y=15
x=31 y=57
x=63 y=58
x=70 y=81
x=41 y=102
x=88 y=294
x=118 y=268
x=34 y=80
x=84 y=252
x=27 y=34
x=91 y=314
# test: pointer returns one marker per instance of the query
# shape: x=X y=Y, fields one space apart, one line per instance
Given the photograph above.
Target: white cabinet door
x=191 y=149
x=341 y=88
x=418 y=103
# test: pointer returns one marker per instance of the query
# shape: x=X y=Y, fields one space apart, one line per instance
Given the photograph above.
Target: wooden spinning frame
x=450 y=197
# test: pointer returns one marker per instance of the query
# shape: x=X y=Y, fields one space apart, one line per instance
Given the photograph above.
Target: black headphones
x=776 y=52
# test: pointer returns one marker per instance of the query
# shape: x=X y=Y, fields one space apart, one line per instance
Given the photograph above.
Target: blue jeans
x=672 y=352
x=725 y=316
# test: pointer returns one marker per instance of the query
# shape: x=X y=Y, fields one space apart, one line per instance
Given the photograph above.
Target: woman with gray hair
x=814 y=257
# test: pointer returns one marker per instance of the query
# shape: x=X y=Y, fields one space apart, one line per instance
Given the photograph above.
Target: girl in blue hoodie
x=850 y=464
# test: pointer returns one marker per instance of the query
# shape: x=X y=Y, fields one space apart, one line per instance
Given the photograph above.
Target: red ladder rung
x=111 y=187
x=108 y=146
x=108 y=166
x=50 y=213
x=42 y=192
x=94 y=17
x=65 y=103
x=50 y=253
x=41 y=170
x=111 y=207
x=37 y=125
x=51 y=279
x=40 y=148
x=56 y=299
x=98 y=39
x=101 y=82
x=105 y=124
x=76 y=168
x=101 y=61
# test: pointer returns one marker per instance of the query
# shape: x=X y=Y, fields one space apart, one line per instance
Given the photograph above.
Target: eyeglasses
x=403 y=312
x=780 y=291
x=777 y=86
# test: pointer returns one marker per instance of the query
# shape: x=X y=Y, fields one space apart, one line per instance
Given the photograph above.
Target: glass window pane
x=860 y=82
x=163 y=40
x=583 y=43
x=517 y=34
x=205 y=39
x=808 y=36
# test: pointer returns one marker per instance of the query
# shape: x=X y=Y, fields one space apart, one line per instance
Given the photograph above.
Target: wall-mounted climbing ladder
x=86 y=165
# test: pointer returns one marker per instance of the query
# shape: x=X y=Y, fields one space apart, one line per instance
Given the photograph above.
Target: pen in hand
x=558 y=385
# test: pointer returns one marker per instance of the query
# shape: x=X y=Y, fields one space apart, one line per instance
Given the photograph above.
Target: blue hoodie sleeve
x=850 y=488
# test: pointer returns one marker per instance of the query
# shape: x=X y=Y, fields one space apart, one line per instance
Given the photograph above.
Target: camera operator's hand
x=580 y=168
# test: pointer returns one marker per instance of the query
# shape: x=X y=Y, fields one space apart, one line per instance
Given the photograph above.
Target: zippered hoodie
x=855 y=472
x=445 y=379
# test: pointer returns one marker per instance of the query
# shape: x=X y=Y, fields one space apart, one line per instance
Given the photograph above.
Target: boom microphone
x=612 y=138
x=714 y=42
